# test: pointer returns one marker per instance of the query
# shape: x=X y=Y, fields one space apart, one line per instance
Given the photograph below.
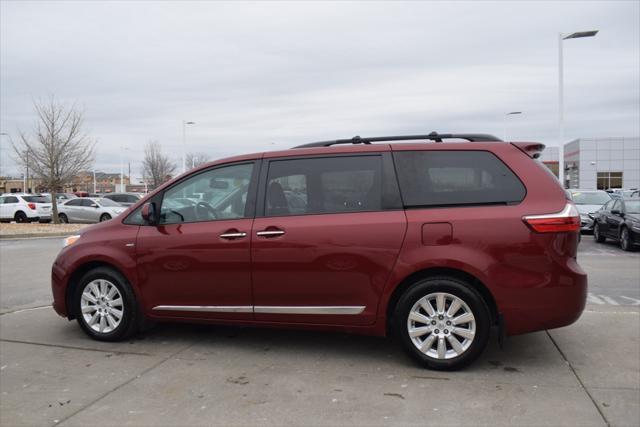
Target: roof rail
x=433 y=136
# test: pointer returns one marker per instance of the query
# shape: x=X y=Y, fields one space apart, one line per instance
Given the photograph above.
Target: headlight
x=71 y=240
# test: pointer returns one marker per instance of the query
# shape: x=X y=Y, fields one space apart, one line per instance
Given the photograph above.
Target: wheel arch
x=464 y=276
x=74 y=281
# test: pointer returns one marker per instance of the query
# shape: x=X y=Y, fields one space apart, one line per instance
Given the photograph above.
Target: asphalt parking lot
x=51 y=374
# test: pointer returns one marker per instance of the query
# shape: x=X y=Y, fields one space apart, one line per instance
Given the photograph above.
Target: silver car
x=587 y=202
x=89 y=210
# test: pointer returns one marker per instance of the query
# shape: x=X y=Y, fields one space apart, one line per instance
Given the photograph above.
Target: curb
x=35 y=235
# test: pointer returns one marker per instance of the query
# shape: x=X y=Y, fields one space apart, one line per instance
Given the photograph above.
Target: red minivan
x=434 y=242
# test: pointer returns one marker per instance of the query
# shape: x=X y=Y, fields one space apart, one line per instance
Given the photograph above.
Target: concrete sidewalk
x=51 y=374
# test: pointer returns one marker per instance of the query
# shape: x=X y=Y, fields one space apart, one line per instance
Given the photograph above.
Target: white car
x=89 y=210
x=24 y=208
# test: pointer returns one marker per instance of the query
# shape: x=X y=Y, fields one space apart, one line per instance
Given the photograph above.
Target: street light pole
x=184 y=144
x=562 y=37
x=122 y=186
x=505 y=122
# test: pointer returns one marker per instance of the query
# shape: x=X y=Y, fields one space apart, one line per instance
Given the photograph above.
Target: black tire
x=597 y=235
x=21 y=217
x=456 y=288
x=130 y=311
x=625 y=240
x=63 y=218
x=105 y=217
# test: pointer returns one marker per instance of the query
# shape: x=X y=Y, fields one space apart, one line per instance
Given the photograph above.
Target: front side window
x=215 y=194
x=449 y=178
x=324 y=185
x=616 y=205
x=74 y=202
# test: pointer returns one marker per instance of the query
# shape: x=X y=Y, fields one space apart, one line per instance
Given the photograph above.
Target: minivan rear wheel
x=443 y=323
x=105 y=305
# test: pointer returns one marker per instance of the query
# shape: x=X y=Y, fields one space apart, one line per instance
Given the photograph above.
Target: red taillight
x=566 y=220
x=32 y=206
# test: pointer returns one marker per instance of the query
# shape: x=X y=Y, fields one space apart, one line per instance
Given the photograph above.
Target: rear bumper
x=559 y=303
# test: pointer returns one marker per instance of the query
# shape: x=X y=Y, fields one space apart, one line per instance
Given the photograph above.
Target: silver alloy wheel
x=441 y=325
x=102 y=306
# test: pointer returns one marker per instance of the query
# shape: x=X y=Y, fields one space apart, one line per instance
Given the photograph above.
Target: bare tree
x=194 y=160
x=58 y=149
x=156 y=167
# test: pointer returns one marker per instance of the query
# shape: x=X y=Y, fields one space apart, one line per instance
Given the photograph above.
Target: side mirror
x=94 y=205
x=148 y=213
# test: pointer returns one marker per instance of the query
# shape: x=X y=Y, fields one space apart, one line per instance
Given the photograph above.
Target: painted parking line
x=606 y=300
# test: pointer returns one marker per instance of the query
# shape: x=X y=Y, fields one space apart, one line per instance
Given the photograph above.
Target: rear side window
x=449 y=178
x=35 y=199
x=324 y=185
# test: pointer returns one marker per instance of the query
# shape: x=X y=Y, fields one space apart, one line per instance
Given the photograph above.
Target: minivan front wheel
x=105 y=305
x=443 y=323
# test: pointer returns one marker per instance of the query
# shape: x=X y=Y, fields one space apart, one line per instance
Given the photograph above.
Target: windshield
x=36 y=199
x=109 y=202
x=632 y=206
x=591 y=198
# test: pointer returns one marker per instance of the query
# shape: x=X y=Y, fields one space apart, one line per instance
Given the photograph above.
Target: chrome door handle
x=270 y=233
x=235 y=235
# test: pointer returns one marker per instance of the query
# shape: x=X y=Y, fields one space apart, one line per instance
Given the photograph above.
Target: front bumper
x=586 y=223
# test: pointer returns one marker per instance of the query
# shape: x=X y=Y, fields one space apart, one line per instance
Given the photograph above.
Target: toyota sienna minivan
x=436 y=240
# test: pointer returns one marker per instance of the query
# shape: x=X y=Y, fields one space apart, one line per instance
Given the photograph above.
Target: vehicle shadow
x=521 y=353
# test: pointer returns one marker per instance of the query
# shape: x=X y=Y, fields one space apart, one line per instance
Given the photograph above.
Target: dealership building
x=597 y=163
x=602 y=163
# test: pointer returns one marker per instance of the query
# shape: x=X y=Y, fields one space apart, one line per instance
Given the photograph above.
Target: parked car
x=20 y=207
x=89 y=210
x=81 y=194
x=588 y=202
x=125 y=199
x=619 y=220
x=433 y=242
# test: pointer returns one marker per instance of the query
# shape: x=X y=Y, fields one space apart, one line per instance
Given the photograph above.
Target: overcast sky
x=268 y=75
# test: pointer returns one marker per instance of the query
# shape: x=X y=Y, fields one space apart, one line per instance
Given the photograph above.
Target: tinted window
x=616 y=205
x=114 y=197
x=441 y=178
x=324 y=185
x=11 y=199
x=36 y=199
x=74 y=202
x=131 y=199
x=215 y=194
x=87 y=202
